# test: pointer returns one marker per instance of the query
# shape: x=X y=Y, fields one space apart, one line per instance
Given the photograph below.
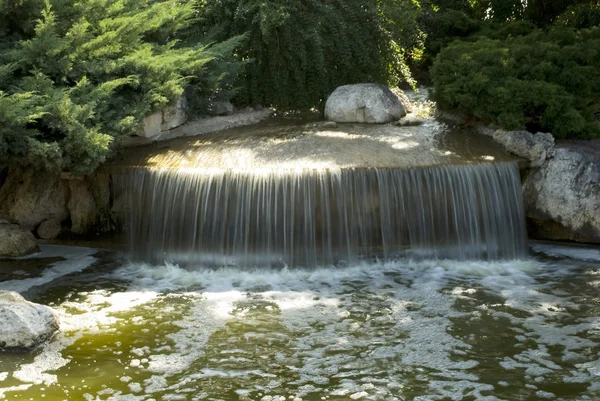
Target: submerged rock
x=24 y=325
x=364 y=103
x=536 y=148
x=410 y=121
x=16 y=241
x=562 y=197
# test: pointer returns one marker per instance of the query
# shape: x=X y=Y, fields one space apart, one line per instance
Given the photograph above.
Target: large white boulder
x=364 y=103
x=562 y=197
x=23 y=324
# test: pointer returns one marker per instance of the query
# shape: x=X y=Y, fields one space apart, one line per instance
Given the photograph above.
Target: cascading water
x=401 y=329
x=278 y=215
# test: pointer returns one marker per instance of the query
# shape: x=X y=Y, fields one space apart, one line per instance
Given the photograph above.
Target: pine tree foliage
x=81 y=75
x=298 y=51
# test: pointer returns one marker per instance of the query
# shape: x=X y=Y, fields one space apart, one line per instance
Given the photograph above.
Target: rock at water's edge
x=164 y=120
x=49 y=229
x=536 y=148
x=562 y=197
x=363 y=103
x=30 y=197
x=16 y=241
x=410 y=121
x=175 y=115
x=23 y=324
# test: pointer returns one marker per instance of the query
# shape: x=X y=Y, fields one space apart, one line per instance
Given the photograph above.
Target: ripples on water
x=403 y=330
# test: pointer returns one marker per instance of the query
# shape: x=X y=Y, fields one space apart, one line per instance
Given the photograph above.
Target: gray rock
x=30 y=197
x=174 y=116
x=222 y=108
x=82 y=207
x=23 y=324
x=164 y=120
x=535 y=148
x=49 y=229
x=562 y=197
x=16 y=241
x=363 y=103
x=152 y=125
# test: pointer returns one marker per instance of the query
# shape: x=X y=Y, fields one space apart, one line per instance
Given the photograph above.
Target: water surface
x=401 y=330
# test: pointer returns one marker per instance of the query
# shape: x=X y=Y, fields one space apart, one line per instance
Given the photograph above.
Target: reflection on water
x=402 y=330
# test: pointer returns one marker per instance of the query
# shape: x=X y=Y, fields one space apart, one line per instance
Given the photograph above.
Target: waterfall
x=320 y=217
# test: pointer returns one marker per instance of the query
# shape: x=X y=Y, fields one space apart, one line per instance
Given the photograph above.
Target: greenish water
x=402 y=330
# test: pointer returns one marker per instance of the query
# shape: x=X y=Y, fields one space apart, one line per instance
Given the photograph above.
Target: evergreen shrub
x=78 y=76
x=547 y=80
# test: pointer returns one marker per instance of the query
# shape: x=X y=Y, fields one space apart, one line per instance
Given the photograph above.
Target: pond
x=404 y=329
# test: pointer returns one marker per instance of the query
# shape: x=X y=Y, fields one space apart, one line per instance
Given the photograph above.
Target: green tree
x=298 y=51
x=77 y=77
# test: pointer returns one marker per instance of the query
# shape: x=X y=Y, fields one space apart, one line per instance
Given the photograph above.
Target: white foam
x=353 y=331
x=5 y=390
x=49 y=359
x=571 y=252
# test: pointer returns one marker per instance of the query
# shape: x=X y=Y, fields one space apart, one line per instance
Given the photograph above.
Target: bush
x=78 y=77
x=297 y=52
x=542 y=81
x=443 y=27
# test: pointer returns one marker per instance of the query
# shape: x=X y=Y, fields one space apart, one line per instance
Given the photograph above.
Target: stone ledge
x=205 y=126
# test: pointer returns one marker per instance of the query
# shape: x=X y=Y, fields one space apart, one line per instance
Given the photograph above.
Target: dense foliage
x=547 y=80
x=298 y=51
x=444 y=21
x=76 y=77
x=581 y=16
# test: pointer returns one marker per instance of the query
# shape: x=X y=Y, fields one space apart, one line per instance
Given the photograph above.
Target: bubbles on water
x=423 y=330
